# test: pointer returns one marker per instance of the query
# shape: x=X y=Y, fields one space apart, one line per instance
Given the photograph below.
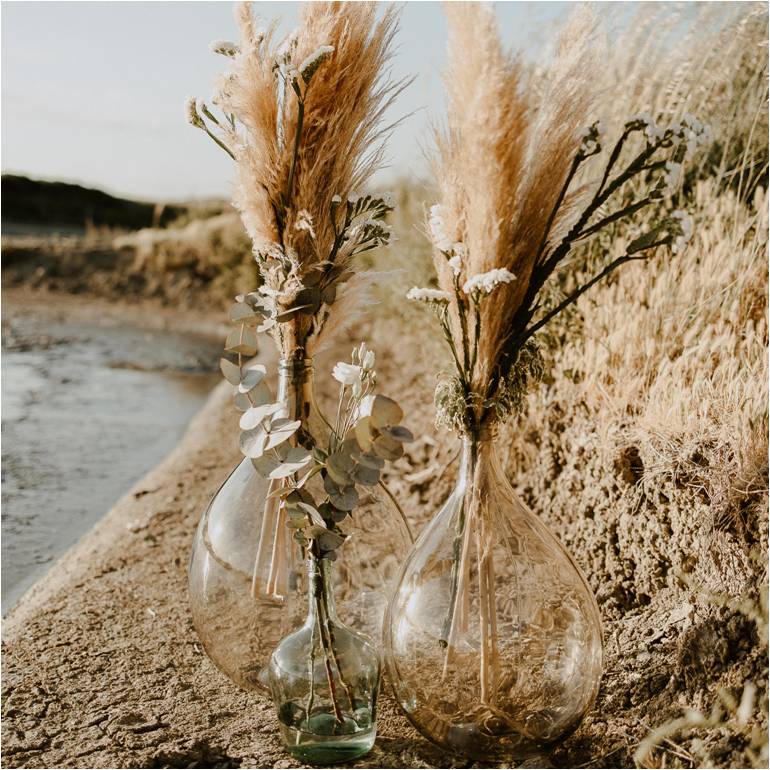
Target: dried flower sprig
x=366 y=433
x=302 y=121
x=512 y=210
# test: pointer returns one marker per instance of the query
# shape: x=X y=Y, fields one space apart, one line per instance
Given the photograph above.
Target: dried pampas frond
x=511 y=206
x=302 y=119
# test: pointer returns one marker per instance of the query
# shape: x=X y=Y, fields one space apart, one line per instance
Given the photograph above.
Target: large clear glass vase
x=247 y=582
x=492 y=638
x=324 y=679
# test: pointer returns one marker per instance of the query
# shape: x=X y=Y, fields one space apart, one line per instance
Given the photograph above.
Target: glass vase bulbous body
x=492 y=638
x=324 y=679
x=246 y=581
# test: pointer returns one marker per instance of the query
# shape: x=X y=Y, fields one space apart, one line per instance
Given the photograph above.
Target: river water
x=91 y=400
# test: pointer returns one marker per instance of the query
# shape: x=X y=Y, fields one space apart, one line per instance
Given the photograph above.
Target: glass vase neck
x=320 y=592
x=295 y=392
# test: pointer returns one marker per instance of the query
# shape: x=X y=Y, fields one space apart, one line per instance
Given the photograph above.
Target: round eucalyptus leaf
x=254 y=415
x=369 y=477
x=328 y=511
x=368 y=460
x=328 y=540
x=260 y=395
x=280 y=430
x=363 y=433
x=387 y=448
x=384 y=412
x=252 y=376
x=343 y=497
x=242 y=313
x=253 y=442
x=266 y=464
x=242 y=340
x=338 y=466
x=242 y=402
x=231 y=371
x=398 y=433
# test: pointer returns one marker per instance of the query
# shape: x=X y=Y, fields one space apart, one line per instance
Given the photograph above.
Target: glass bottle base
x=320 y=740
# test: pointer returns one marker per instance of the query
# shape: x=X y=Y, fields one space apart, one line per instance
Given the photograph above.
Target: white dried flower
x=224 y=47
x=368 y=362
x=191 y=110
x=431 y=296
x=455 y=263
x=652 y=130
x=437 y=227
x=682 y=231
x=309 y=66
x=671 y=177
x=347 y=374
x=286 y=49
x=305 y=222
x=486 y=283
x=692 y=132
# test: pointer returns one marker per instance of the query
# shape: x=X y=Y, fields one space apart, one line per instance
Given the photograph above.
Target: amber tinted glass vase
x=247 y=581
x=493 y=637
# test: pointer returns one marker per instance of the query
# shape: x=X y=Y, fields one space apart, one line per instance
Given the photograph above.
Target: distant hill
x=33 y=202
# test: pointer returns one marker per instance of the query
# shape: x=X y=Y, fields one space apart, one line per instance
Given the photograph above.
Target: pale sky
x=94 y=92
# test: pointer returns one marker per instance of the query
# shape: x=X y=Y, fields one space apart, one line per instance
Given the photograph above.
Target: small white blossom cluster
x=486 y=283
x=591 y=139
x=429 y=296
x=224 y=47
x=691 y=131
x=455 y=263
x=314 y=61
x=671 y=177
x=652 y=130
x=683 y=228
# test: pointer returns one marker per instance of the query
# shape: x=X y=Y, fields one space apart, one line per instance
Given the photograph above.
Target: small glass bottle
x=324 y=680
x=493 y=639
